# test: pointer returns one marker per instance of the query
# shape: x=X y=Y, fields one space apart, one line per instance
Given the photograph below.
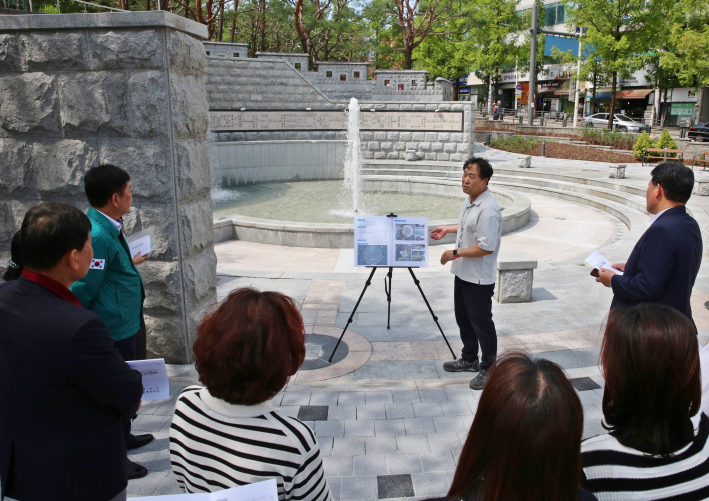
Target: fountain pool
x=314 y=201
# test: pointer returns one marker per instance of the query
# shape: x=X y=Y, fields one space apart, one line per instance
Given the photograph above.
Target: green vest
x=112 y=288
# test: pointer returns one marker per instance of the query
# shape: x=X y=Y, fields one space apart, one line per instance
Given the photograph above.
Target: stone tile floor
x=376 y=444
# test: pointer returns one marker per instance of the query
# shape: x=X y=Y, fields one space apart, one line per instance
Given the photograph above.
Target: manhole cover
x=318 y=349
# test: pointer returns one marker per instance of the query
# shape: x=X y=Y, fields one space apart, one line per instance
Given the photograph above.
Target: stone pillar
x=78 y=90
x=515 y=276
x=616 y=171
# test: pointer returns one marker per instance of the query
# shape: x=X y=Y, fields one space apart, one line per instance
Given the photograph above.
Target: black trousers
x=473 y=314
x=130 y=349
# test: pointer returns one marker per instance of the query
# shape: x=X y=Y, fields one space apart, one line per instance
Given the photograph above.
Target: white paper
x=259 y=491
x=410 y=241
x=388 y=241
x=372 y=240
x=141 y=241
x=597 y=260
x=141 y=245
x=156 y=386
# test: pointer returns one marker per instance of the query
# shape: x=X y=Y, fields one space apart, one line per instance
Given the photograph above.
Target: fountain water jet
x=353 y=161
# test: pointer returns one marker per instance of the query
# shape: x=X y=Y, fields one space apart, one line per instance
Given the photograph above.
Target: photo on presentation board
x=388 y=241
x=372 y=255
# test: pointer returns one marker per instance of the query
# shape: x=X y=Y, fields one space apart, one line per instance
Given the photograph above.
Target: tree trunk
x=612 y=111
x=262 y=8
x=233 y=21
x=662 y=112
x=407 y=57
x=220 y=30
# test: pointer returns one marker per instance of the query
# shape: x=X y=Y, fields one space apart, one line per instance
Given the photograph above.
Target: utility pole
x=532 y=69
x=578 y=84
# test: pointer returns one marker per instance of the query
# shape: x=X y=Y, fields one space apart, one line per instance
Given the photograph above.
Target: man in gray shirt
x=479 y=232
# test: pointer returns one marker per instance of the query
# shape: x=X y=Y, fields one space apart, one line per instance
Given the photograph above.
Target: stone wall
x=224 y=49
x=381 y=145
x=78 y=90
x=269 y=82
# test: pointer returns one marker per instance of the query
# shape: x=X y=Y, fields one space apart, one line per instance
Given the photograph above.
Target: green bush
x=666 y=141
x=514 y=144
x=605 y=137
x=643 y=142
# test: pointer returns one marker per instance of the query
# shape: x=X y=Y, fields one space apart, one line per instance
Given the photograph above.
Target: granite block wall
x=382 y=145
x=78 y=90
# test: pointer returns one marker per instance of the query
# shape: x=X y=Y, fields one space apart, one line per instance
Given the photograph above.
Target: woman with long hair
x=657 y=445
x=524 y=444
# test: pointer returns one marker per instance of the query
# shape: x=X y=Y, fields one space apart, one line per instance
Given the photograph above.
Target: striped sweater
x=615 y=472
x=215 y=445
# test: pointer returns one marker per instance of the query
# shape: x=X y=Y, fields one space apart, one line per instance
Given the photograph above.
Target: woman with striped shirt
x=657 y=448
x=228 y=433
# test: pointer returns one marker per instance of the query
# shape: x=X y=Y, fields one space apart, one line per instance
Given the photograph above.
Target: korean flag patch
x=97 y=264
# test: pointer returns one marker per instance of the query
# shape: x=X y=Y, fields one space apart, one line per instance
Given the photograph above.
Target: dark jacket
x=63 y=391
x=663 y=265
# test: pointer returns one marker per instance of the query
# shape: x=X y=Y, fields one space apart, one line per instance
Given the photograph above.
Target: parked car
x=621 y=122
x=700 y=132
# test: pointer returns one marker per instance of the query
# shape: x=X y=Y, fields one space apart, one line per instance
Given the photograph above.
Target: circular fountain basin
x=304 y=214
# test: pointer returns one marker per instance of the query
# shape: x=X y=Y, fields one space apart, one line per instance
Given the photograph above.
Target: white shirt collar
x=479 y=199
x=655 y=216
x=230 y=410
x=116 y=224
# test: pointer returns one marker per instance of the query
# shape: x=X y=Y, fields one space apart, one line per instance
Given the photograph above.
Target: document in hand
x=155 y=383
x=260 y=491
x=141 y=241
x=597 y=260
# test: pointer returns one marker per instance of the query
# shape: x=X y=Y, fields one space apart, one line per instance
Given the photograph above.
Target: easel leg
x=349 y=320
x=435 y=318
x=388 y=293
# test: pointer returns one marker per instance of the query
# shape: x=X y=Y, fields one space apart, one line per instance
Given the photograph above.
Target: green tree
x=494 y=38
x=620 y=32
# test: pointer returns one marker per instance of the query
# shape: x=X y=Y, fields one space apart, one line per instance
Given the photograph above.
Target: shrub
x=643 y=142
x=514 y=144
x=666 y=141
x=605 y=137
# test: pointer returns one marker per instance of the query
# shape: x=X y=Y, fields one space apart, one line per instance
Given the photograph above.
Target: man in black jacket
x=664 y=263
x=63 y=386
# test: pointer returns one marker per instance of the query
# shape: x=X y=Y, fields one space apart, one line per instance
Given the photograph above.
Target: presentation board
x=391 y=241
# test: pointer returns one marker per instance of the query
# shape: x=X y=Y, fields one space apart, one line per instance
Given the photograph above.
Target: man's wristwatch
x=455 y=253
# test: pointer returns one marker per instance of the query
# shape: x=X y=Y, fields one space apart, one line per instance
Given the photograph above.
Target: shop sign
x=682 y=109
x=508 y=76
x=464 y=90
x=549 y=85
x=683 y=94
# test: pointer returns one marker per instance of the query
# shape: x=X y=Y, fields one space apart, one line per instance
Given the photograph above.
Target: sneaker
x=134 y=470
x=461 y=365
x=478 y=383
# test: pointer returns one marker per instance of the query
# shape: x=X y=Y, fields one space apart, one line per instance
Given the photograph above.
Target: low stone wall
x=297 y=234
x=430 y=145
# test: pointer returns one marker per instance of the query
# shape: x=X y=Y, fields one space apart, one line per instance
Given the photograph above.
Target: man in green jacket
x=113 y=288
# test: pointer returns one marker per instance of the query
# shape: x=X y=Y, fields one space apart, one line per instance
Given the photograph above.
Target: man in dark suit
x=63 y=386
x=664 y=263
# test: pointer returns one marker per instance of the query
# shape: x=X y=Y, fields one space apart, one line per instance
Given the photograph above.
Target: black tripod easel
x=387 y=290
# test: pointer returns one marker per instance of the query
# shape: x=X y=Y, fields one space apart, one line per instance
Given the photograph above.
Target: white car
x=621 y=122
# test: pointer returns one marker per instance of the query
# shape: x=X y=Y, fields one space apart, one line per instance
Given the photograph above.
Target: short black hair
x=102 y=182
x=677 y=180
x=484 y=167
x=14 y=269
x=49 y=231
